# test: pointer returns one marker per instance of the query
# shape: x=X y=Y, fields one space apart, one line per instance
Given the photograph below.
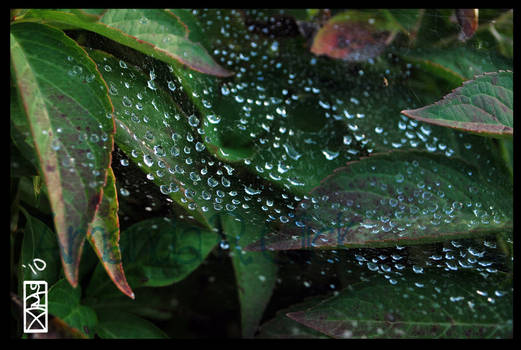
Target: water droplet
x=330 y=155
x=212 y=182
x=193 y=120
x=148 y=160
x=213 y=119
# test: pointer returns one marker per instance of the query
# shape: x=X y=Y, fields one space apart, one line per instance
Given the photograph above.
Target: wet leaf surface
x=65 y=101
x=400 y=197
x=482 y=106
x=442 y=309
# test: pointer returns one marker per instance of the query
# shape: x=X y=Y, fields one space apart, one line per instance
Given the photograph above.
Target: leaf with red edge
x=376 y=309
x=483 y=106
x=66 y=103
x=159 y=33
x=468 y=20
x=399 y=197
x=104 y=236
x=353 y=36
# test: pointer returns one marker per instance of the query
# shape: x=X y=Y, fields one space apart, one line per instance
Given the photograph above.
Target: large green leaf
x=162 y=34
x=104 y=236
x=400 y=197
x=482 y=106
x=255 y=272
x=66 y=104
x=64 y=303
x=427 y=305
x=123 y=325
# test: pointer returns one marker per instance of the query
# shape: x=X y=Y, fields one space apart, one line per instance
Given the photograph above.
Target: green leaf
x=104 y=236
x=64 y=303
x=158 y=252
x=400 y=197
x=25 y=160
x=39 y=242
x=483 y=106
x=123 y=325
x=407 y=20
x=66 y=103
x=503 y=32
x=456 y=64
x=255 y=272
x=439 y=305
x=149 y=302
x=507 y=151
x=158 y=33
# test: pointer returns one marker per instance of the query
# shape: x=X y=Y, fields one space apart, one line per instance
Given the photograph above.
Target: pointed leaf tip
x=482 y=106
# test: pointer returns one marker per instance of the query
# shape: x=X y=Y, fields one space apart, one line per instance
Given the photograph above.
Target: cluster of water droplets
x=271 y=97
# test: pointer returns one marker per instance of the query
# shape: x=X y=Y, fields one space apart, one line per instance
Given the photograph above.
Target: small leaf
x=468 y=20
x=104 y=236
x=400 y=197
x=158 y=252
x=482 y=106
x=123 y=325
x=351 y=36
x=255 y=272
x=439 y=305
x=283 y=327
x=65 y=101
x=64 y=303
x=407 y=20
